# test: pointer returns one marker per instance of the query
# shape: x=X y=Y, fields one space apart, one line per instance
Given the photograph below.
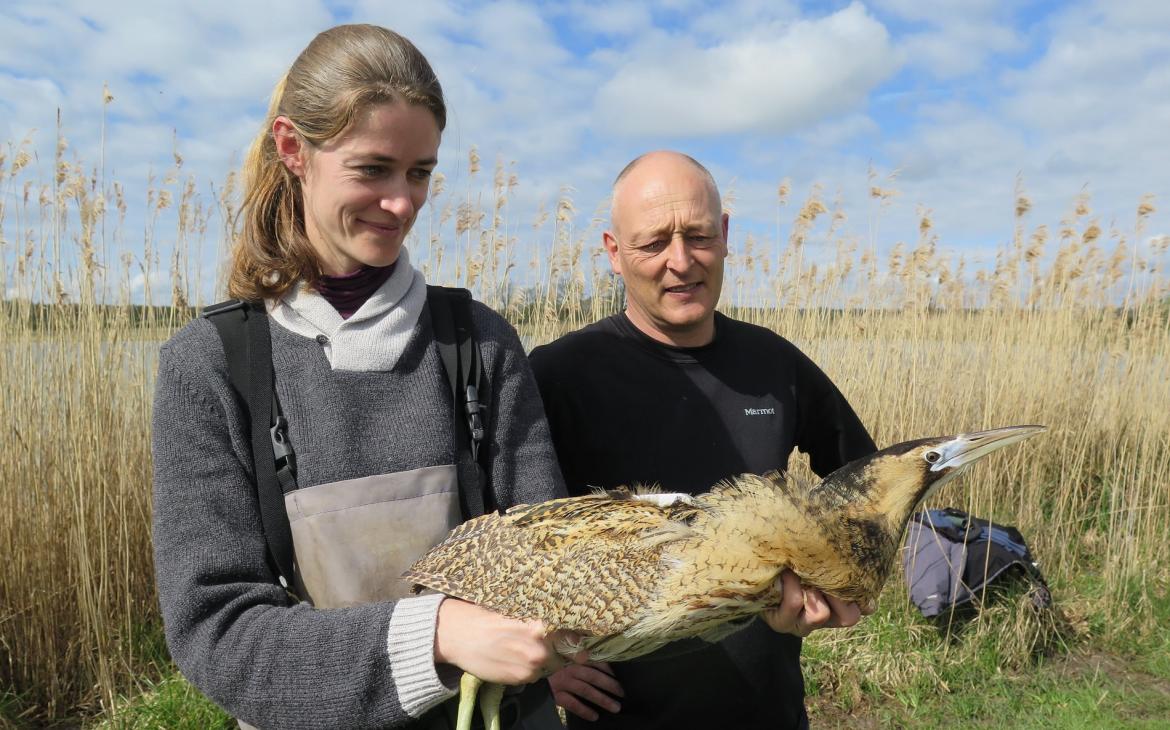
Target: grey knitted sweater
x=229 y=626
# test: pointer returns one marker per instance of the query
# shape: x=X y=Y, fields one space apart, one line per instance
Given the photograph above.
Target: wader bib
x=353 y=539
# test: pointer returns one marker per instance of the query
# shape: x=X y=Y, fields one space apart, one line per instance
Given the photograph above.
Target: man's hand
x=591 y=681
x=494 y=648
x=803 y=610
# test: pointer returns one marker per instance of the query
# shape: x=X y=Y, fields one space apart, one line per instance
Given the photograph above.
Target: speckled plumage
x=629 y=574
x=631 y=571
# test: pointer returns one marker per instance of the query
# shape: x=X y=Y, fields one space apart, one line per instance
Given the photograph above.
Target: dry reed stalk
x=903 y=339
x=78 y=588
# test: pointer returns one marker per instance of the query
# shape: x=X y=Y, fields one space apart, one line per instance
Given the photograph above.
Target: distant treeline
x=28 y=316
x=39 y=316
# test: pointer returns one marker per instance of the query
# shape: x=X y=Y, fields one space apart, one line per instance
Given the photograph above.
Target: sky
x=960 y=100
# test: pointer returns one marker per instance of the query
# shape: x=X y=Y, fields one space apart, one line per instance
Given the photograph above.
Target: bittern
x=628 y=572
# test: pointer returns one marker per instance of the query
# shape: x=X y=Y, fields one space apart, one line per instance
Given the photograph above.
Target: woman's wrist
x=446 y=623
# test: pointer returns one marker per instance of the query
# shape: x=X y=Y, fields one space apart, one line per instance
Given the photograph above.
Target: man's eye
x=655 y=245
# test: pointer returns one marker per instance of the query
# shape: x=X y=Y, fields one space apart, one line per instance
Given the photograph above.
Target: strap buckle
x=286 y=460
x=474 y=419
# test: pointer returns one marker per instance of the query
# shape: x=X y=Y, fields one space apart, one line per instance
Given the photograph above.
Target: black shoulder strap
x=455 y=337
x=243 y=327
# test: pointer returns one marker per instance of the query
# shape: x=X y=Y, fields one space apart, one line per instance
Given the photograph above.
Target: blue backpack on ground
x=950 y=557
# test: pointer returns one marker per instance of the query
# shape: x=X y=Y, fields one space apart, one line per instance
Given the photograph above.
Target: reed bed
x=1070 y=328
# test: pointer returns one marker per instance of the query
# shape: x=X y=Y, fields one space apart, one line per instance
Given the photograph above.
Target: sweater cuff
x=410 y=643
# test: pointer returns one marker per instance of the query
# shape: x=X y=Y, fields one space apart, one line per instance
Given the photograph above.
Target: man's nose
x=678 y=254
x=396 y=198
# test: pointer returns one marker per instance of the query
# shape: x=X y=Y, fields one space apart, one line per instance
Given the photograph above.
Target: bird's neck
x=885 y=490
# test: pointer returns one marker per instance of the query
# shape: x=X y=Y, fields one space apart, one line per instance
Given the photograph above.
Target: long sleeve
x=522 y=462
x=231 y=629
x=829 y=432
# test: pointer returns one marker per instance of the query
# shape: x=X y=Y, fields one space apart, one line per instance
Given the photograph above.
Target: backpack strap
x=463 y=364
x=243 y=328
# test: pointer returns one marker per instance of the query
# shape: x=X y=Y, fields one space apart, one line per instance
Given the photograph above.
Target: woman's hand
x=493 y=647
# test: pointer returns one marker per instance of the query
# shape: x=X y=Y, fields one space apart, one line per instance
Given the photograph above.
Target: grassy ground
x=1086 y=689
x=171 y=703
x=1006 y=664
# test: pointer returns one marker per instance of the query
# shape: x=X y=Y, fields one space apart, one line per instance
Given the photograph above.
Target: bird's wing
x=766 y=486
x=585 y=564
x=616 y=511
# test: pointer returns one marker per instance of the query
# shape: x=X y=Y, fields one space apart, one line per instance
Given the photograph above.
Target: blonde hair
x=339 y=75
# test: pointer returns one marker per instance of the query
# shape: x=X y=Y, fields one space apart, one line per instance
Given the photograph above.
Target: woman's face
x=363 y=189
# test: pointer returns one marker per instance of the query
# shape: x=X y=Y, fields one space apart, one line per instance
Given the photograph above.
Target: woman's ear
x=289 y=146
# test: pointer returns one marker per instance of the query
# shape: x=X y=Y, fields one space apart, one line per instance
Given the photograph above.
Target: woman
x=334 y=182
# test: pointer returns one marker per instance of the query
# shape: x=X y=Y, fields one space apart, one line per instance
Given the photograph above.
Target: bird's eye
x=932 y=457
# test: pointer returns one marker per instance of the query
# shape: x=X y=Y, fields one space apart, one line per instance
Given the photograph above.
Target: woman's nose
x=396 y=199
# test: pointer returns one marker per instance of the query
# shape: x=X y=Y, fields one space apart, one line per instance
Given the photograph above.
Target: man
x=672 y=392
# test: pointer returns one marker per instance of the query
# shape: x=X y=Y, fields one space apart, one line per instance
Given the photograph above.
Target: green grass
x=1083 y=689
x=1074 y=691
x=981 y=669
x=166 y=700
x=171 y=703
x=1007 y=665
x=9 y=709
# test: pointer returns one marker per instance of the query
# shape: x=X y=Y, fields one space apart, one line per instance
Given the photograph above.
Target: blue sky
x=958 y=96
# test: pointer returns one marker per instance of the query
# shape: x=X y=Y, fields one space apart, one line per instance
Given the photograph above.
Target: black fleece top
x=625 y=409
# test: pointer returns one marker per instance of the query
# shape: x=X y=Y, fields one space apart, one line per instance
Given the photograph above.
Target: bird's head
x=893 y=482
x=867 y=503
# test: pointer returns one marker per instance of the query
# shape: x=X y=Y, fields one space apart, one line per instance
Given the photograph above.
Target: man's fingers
x=575 y=706
x=793 y=599
x=845 y=613
x=592 y=683
x=816 y=610
x=586 y=691
x=804 y=610
x=575 y=676
x=601 y=677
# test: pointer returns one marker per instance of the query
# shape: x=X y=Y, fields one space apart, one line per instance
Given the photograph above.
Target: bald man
x=674 y=393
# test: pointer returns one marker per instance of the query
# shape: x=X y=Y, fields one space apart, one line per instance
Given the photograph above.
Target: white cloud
x=759 y=90
x=611 y=18
x=771 y=80
x=959 y=36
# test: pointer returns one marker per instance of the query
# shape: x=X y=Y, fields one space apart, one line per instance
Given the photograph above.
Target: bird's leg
x=489 y=705
x=468 y=687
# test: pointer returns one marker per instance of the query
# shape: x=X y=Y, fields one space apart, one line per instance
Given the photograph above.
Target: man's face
x=668 y=243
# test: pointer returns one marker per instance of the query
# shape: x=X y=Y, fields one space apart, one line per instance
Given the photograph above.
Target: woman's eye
x=420 y=174
x=370 y=170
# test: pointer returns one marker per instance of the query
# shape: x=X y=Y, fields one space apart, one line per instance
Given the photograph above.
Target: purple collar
x=348 y=292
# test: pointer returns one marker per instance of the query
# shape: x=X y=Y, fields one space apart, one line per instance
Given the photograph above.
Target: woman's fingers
x=493 y=647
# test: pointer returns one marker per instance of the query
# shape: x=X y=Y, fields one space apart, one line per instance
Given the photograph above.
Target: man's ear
x=611 y=248
x=290 y=148
x=726 y=227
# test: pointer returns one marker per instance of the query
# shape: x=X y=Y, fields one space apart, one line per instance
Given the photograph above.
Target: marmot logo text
x=759 y=411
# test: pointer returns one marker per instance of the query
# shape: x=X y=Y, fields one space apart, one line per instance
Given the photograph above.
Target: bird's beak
x=967 y=448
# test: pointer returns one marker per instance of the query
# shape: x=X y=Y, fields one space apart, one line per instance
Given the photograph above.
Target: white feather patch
x=665 y=499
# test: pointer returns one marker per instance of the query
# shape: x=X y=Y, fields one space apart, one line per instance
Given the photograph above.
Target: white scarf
x=374 y=336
